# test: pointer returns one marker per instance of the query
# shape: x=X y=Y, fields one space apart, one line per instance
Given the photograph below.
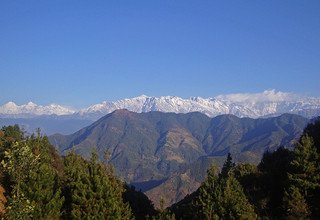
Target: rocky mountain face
x=168 y=154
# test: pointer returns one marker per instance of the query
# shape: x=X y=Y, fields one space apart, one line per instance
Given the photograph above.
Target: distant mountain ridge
x=168 y=154
x=60 y=119
x=31 y=109
x=253 y=105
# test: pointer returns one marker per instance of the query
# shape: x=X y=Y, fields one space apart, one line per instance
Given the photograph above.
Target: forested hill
x=169 y=153
x=37 y=183
x=284 y=185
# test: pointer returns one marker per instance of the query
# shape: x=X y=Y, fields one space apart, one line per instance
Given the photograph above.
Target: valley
x=170 y=153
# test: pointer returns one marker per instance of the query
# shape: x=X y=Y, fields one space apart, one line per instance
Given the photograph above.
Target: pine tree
x=296 y=205
x=232 y=201
x=205 y=206
x=92 y=190
x=43 y=191
x=313 y=130
x=222 y=197
x=274 y=168
x=305 y=174
x=140 y=204
x=42 y=187
x=30 y=179
x=164 y=214
x=227 y=166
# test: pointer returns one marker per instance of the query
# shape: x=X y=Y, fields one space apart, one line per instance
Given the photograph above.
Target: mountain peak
x=31 y=108
x=121 y=112
x=268 y=102
x=254 y=105
x=9 y=104
x=143 y=96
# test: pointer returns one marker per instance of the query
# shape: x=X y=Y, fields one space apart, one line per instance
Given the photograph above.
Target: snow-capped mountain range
x=254 y=105
x=31 y=109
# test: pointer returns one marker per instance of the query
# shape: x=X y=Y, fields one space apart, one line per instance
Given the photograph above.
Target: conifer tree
x=164 y=214
x=43 y=191
x=313 y=130
x=205 y=205
x=30 y=179
x=305 y=174
x=42 y=187
x=222 y=197
x=227 y=166
x=140 y=204
x=232 y=202
x=92 y=190
x=274 y=168
x=296 y=205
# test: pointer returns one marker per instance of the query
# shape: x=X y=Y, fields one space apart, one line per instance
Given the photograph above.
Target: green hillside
x=175 y=150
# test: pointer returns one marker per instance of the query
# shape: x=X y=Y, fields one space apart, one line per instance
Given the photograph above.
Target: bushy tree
x=273 y=181
x=92 y=191
x=140 y=204
x=296 y=205
x=163 y=213
x=33 y=185
x=313 y=130
x=232 y=202
x=222 y=197
x=42 y=187
x=19 y=162
x=205 y=204
x=305 y=173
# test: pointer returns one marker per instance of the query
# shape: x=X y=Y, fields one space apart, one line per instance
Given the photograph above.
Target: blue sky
x=78 y=53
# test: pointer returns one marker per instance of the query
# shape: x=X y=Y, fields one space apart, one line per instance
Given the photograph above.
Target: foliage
x=305 y=173
x=33 y=190
x=3 y=201
x=205 y=203
x=36 y=183
x=19 y=162
x=222 y=197
x=313 y=130
x=43 y=185
x=92 y=191
x=140 y=204
x=227 y=167
x=163 y=214
x=273 y=181
x=297 y=207
x=39 y=186
x=179 y=141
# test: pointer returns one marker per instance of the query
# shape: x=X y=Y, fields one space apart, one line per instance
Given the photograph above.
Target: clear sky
x=79 y=53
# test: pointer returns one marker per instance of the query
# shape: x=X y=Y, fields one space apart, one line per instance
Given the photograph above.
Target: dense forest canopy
x=37 y=183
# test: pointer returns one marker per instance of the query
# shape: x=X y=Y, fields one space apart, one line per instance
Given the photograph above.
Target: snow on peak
x=31 y=108
x=10 y=105
x=254 y=105
x=269 y=102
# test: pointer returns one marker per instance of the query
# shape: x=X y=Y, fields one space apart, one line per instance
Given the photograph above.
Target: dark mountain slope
x=175 y=150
